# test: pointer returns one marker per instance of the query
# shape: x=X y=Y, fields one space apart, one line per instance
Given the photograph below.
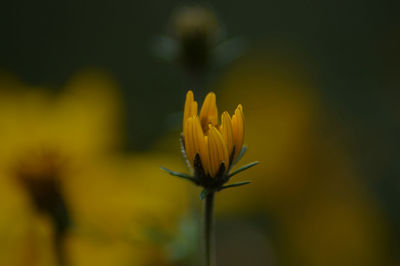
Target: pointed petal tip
x=211 y=98
x=225 y=114
x=211 y=94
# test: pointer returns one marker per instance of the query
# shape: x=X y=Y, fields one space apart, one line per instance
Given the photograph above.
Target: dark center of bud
x=39 y=173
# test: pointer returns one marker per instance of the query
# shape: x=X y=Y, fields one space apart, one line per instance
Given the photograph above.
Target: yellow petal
x=195 y=141
x=188 y=139
x=238 y=129
x=200 y=146
x=227 y=131
x=193 y=109
x=190 y=108
x=218 y=152
x=213 y=159
x=207 y=164
x=209 y=111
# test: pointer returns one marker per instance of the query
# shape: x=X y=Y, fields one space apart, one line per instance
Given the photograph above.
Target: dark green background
x=353 y=47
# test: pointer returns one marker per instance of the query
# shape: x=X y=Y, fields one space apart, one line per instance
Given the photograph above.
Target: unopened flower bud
x=196 y=30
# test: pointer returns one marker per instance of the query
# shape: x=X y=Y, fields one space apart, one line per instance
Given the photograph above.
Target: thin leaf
x=241 y=154
x=181 y=175
x=241 y=169
x=236 y=185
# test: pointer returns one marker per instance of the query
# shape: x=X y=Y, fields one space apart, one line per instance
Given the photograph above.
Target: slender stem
x=209 y=239
x=59 y=246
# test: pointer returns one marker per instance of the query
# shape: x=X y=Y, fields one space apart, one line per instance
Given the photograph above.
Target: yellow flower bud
x=238 y=129
x=215 y=144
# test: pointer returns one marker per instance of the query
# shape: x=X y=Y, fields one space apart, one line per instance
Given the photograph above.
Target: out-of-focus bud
x=196 y=29
x=196 y=40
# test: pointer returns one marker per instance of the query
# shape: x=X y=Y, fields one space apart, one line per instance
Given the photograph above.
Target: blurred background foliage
x=91 y=95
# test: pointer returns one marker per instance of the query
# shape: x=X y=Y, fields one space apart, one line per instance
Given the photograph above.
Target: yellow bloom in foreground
x=217 y=145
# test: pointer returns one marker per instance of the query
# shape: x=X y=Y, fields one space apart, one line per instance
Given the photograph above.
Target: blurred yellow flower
x=217 y=145
x=124 y=218
x=307 y=187
x=68 y=142
x=44 y=137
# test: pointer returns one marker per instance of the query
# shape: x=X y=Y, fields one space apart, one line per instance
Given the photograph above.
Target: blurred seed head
x=39 y=173
x=190 y=21
x=196 y=29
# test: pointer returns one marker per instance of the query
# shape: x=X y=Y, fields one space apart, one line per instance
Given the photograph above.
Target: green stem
x=209 y=241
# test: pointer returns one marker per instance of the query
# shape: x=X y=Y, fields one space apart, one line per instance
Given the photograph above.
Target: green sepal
x=241 y=154
x=204 y=193
x=236 y=184
x=181 y=175
x=241 y=169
